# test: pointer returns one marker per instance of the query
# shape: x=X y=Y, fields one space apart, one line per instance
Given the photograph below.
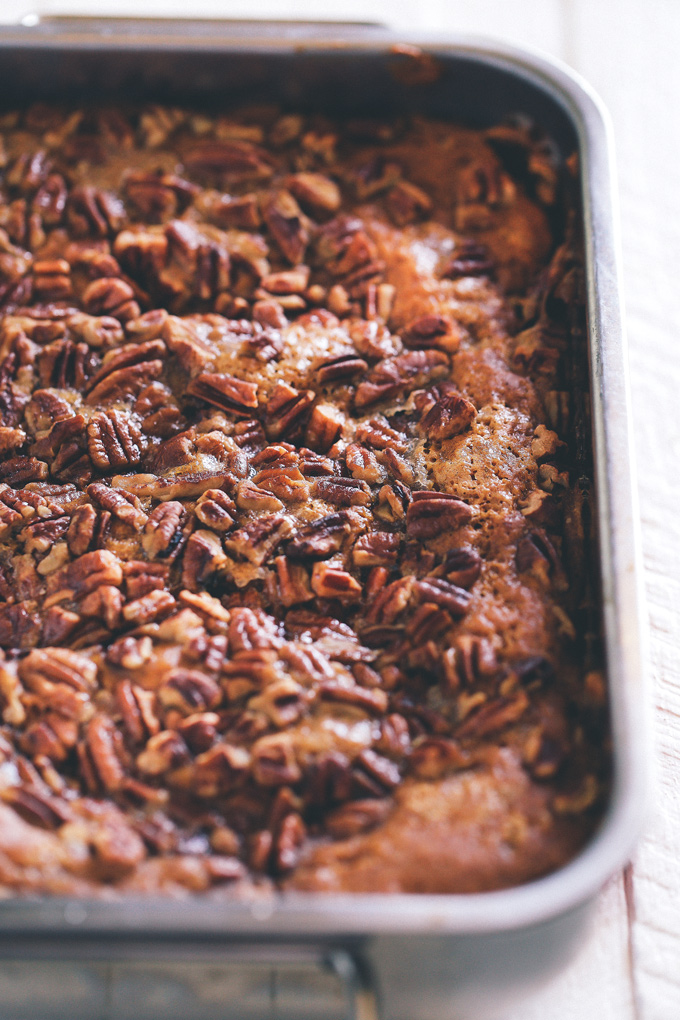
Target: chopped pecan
x=287 y=224
x=371 y=178
x=331 y=582
x=316 y=192
x=104 y=603
x=52 y=279
x=58 y=666
x=363 y=465
x=203 y=557
x=200 y=732
x=377 y=434
x=537 y=556
x=89 y=571
x=292 y=582
x=64 y=363
x=324 y=427
x=114 y=441
x=130 y=652
x=432 y=513
x=379 y=768
x=287 y=842
x=17 y=471
x=286 y=410
x=111 y=296
x=251 y=497
x=393 y=376
x=37 y=807
x=125 y=382
x=232 y=159
x=391 y=602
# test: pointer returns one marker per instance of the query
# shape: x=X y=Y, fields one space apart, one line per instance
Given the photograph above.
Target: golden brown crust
x=291 y=450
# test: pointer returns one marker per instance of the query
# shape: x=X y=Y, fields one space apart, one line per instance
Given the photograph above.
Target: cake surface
x=295 y=551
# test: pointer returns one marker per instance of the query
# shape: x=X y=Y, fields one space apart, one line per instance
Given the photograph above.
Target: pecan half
x=256 y=541
x=432 y=513
x=448 y=416
x=113 y=441
x=378 y=549
x=226 y=392
x=163 y=535
x=342 y=491
x=118 y=502
x=322 y=538
x=357 y=817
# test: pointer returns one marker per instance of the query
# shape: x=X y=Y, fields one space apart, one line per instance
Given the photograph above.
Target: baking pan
x=400 y=957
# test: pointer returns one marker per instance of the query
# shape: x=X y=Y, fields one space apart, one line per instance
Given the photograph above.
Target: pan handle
x=360 y=991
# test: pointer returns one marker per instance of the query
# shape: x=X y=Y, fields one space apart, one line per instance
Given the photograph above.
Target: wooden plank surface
x=629 y=965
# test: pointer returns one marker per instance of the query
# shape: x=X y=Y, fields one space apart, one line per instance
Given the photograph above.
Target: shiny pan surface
x=418 y=957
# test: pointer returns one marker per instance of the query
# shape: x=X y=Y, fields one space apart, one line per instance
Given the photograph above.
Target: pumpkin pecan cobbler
x=294 y=507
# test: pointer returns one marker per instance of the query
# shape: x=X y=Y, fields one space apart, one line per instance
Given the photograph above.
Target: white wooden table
x=629 y=967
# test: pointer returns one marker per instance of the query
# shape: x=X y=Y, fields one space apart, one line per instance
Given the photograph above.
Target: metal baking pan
x=399 y=957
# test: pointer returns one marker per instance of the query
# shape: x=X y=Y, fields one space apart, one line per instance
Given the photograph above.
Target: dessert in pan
x=294 y=506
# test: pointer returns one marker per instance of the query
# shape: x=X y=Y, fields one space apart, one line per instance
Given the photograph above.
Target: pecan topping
x=287 y=224
x=120 y=503
x=357 y=817
x=256 y=542
x=215 y=509
x=163 y=530
x=113 y=441
x=407 y=203
x=286 y=410
x=372 y=701
x=341 y=369
x=225 y=392
x=447 y=417
x=379 y=549
x=330 y=582
x=432 y=513
x=342 y=491
x=316 y=192
x=393 y=376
